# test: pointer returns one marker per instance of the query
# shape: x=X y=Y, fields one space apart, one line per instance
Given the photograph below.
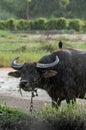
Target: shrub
x=75 y=24
x=51 y=24
x=84 y=26
x=61 y=23
x=38 y=24
x=2 y=25
x=23 y=24
x=32 y=26
x=44 y=24
x=11 y=24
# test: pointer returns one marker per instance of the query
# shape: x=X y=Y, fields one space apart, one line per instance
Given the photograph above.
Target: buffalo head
x=33 y=73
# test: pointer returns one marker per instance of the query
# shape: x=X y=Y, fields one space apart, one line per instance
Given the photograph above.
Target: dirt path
x=22 y=103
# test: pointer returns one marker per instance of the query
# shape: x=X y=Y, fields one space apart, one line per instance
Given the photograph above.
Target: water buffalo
x=62 y=74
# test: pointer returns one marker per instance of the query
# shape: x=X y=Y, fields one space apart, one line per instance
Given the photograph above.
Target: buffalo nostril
x=23 y=83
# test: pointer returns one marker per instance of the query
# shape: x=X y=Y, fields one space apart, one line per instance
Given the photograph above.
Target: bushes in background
x=2 y=25
x=23 y=24
x=51 y=24
x=11 y=24
x=38 y=24
x=43 y=24
x=61 y=23
x=75 y=24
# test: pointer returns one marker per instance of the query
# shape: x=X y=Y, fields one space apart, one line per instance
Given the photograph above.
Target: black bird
x=60 y=44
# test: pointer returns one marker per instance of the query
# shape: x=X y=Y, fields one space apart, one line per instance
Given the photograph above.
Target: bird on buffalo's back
x=60 y=44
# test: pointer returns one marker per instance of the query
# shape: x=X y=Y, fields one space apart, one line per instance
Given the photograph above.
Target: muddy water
x=10 y=95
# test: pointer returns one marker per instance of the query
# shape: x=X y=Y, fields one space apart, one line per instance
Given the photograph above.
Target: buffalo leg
x=71 y=97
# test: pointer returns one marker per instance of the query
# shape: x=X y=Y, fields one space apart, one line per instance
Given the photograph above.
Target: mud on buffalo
x=62 y=74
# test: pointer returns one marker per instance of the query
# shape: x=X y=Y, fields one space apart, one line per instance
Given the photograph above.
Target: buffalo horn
x=15 y=65
x=40 y=65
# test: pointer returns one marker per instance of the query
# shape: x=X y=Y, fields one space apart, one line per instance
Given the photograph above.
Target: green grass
x=65 y=112
x=7 y=57
x=32 y=47
x=11 y=115
x=66 y=117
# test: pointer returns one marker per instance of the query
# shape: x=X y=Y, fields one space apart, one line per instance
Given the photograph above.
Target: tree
x=27 y=8
x=64 y=4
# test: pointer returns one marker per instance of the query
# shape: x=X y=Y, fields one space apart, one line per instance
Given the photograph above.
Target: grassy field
x=32 y=47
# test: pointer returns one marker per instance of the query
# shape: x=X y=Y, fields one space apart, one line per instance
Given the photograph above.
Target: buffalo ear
x=16 y=74
x=49 y=73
